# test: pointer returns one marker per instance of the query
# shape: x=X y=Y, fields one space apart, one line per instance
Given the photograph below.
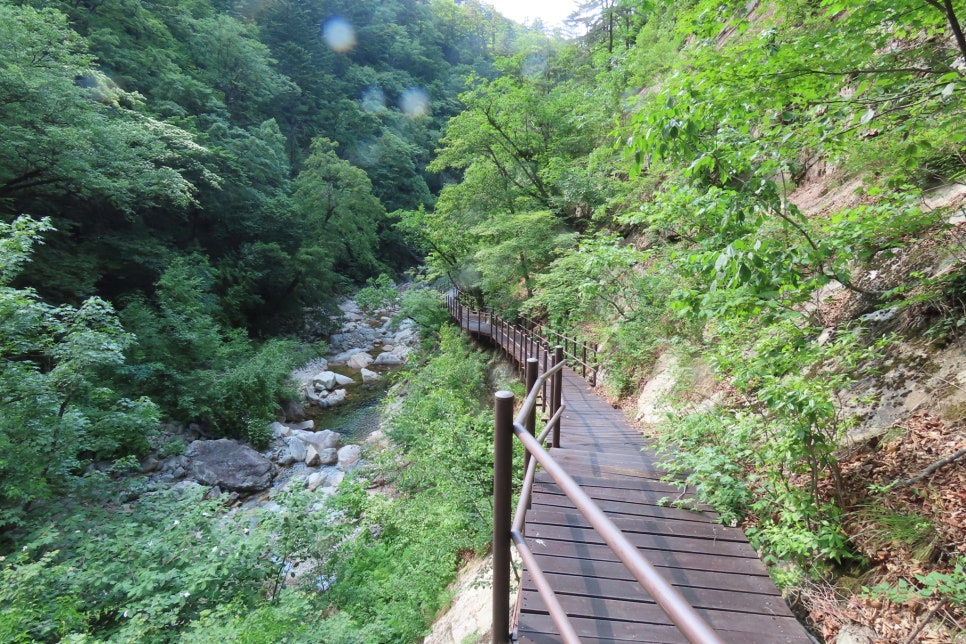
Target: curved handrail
x=582 y=356
x=505 y=531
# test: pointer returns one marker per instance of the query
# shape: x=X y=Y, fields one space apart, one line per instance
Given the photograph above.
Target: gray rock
x=293 y=411
x=360 y=360
x=329 y=456
x=334 y=398
x=285 y=457
x=279 y=430
x=324 y=439
x=325 y=380
x=336 y=479
x=308 y=424
x=315 y=480
x=388 y=359
x=229 y=465
x=343 y=357
x=312 y=456
x=349 y=456
x=388 y=348
x=296 y=447
x=150 y=464
x=369 y=376
x=342 y=381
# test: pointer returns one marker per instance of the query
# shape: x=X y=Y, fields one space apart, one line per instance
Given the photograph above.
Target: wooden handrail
x=681 y=613
x=581 y=356
x=507 y=531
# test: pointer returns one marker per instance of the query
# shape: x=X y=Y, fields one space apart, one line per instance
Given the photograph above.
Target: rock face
x=229 y=465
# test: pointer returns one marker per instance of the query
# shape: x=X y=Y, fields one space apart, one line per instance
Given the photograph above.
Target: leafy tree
x=341 y=214
x=59 y=408
x=514 y=248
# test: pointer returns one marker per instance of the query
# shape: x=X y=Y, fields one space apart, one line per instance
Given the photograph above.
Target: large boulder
x=329 y=456
x=229 y=465
x=369 y=376
x=349 y=456
x=333 y=398
x=325 y=380
x=324 y=439
x=296 y=447
x=388 y=359
x=360 y=360
x=342 y=381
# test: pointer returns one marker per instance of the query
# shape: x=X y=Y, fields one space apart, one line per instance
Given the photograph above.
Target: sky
x=552 y=12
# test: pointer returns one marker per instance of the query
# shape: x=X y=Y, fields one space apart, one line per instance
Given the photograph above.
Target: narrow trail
x=713 y=566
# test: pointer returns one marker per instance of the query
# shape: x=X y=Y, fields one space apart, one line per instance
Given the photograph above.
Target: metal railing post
x=502 y=493
x=531 y=420
x=558 y=355
x=543 y=398
x=583 y=363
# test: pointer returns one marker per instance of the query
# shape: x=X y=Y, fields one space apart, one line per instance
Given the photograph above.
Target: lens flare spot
x=338 y=34
x=373 y=100
x=414 y=102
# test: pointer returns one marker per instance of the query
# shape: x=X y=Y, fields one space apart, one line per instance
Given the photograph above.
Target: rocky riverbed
x=319 y=437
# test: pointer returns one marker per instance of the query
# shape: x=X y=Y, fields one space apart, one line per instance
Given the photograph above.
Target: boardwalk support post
x=502 y=499
x=558 y=356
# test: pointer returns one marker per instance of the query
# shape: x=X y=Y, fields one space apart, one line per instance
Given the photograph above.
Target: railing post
x=502 y=492
x=558 y=354
x=543 y=397
x=583 y=362
x=531 y=421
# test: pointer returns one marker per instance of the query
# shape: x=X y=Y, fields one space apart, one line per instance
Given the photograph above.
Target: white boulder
x=349 y=456
x=360 y=360
x=388 y=359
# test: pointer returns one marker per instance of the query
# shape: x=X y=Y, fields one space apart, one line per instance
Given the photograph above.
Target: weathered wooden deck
x=712 y=565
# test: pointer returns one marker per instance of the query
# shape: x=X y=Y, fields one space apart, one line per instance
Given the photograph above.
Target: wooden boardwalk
x=712 y=565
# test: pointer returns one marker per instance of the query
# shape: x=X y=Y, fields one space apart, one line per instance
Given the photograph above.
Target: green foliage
x=135 y=575
x=514 y=247
x=949 y=586
x=336 y=202
x=59 y=405
x=391 y=577
x=427 y=308
x=379 y=292
x=199 y=370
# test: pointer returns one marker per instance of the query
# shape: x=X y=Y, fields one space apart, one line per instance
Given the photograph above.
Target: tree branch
x=938 y=465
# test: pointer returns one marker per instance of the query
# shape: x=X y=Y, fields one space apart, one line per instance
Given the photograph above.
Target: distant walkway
x=711 y=565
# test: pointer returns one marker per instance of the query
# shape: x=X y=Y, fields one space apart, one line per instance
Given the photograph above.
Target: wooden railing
x=509 y=530
x=524 y=337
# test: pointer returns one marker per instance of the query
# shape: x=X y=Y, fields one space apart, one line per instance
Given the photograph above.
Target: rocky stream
x=322 y=433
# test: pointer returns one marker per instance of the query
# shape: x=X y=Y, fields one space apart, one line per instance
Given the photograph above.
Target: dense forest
x=762 y=195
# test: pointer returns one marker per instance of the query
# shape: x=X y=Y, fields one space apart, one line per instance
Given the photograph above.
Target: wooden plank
x=555 y=499
x=540 y=630
x=739 y=583
x=718 y=548
x=778 y=628
x=631 y=591
x=657 y=557
x=712 y=565
x=714 y=531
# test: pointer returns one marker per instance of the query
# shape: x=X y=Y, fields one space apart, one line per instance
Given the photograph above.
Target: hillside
x=767 y=243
